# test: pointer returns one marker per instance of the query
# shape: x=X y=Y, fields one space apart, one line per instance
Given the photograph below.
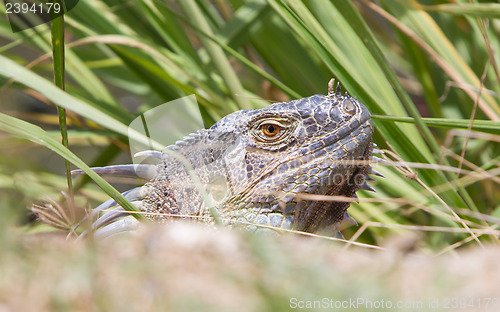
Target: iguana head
x=286 y=149
x=254 y=166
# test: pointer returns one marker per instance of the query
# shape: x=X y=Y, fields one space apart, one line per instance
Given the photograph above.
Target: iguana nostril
x=349 y=107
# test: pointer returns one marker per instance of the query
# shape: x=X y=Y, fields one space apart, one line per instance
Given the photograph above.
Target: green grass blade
x=491 y=10
x=363 y=31
x=57 y=24
x=487 y=126
x=362 y=76
x=35 y=134
x=10 y=69
x=422 y=24
x=217 y=55
x=75 y=67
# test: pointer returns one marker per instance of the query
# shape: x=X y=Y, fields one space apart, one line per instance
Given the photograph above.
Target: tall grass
x=428 y=72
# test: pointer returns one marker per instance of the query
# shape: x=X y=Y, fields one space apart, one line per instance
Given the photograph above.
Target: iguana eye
x=270 y=130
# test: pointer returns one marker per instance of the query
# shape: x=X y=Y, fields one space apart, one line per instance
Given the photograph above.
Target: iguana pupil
x=270 y=130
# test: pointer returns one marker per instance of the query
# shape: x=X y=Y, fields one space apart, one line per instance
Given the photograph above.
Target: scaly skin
x=251 y=164
x=252 y=176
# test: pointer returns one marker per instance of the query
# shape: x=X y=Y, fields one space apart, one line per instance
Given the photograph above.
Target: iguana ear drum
x=256 y=168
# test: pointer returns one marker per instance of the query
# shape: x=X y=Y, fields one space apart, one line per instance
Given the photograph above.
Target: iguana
x=251 y=165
